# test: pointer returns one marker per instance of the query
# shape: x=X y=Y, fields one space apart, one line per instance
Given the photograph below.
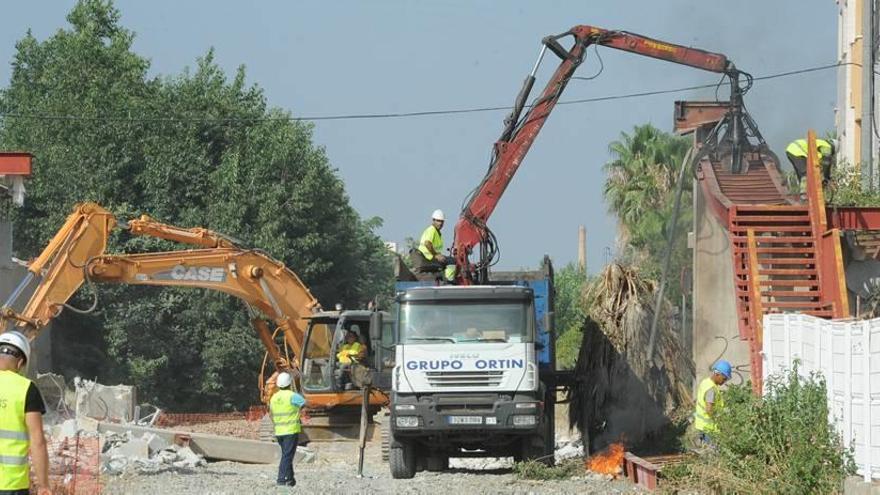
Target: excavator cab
x=322 y=371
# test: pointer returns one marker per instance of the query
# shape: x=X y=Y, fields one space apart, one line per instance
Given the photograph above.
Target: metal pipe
x=670 y=240
x=538 y=62
x=866 y=151
x=19 y=289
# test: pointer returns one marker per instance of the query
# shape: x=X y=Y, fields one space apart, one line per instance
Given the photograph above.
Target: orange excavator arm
x=76 y=255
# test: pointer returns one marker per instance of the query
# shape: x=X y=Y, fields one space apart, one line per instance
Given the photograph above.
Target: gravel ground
x=335 y=471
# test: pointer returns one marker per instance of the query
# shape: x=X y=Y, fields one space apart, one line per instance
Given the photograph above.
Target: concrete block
x=135 y=447
x=154 y=442
x=102 y=402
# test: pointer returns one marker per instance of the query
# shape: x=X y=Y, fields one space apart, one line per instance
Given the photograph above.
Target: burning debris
x=609 y=461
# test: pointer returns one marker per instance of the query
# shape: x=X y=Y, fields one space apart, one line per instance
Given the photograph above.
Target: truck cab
x=471 y=373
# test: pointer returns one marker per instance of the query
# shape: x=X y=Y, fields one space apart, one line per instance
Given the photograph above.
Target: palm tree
x=641 y=180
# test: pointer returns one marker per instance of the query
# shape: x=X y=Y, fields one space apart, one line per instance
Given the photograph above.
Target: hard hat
x=17 y=340
x=355 y=328
x=724 y=368
x=283 y=380
x=438 y=215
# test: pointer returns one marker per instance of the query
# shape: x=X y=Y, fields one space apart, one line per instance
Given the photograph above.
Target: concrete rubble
x=145 y=454
x=125 y=442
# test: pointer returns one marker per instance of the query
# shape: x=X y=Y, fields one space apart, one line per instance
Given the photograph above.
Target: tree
x=195 y=149
x=640 y=190
x=570 y=313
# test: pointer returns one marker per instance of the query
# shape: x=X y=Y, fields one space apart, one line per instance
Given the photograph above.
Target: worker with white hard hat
x=429 y=256
x=21 y=420
x=284 y=406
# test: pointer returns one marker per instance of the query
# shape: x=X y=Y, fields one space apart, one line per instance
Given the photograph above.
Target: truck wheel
x=403 y=461
x=438 y=463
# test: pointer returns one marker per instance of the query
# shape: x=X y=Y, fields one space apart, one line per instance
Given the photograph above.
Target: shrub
x=779 y=443
x=535 y=470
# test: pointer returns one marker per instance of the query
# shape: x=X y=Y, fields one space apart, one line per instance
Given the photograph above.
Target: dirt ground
x=335 y=471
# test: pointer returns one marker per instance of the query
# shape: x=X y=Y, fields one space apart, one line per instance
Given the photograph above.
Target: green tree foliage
x=197 y=149
x=570 y=313
x=640 y=186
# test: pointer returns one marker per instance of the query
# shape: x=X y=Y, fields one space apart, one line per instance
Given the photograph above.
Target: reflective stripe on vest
x=14 y=440
x=348 y=352
x=702 y=421
x=285 y=415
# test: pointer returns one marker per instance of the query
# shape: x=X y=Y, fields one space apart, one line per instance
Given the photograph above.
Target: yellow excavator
x=273 y=293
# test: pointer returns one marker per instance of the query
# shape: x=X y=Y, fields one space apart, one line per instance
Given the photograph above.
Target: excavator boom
x=76 y=254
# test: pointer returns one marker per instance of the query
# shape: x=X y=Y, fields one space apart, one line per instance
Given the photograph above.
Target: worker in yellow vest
x=796 y=152
x=284 y=406
x=351 y=351
x=428 y=257
x=709 y=400
x=21 y=421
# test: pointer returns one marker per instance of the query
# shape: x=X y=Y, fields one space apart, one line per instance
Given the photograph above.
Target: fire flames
x=609 y=461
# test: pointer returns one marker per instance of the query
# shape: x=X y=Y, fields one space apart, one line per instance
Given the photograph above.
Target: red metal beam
x=854 y=218
x=16 y=163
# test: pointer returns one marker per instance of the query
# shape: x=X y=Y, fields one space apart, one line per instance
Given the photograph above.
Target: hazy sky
x=349 y=57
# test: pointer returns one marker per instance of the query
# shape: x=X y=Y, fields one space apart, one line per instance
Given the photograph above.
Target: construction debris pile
x=147 y=454
x=621 y=393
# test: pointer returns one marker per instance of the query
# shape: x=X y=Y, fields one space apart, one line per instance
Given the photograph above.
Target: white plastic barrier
x=847 y=354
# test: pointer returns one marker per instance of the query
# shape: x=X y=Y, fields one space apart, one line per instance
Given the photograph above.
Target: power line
x=389 y=115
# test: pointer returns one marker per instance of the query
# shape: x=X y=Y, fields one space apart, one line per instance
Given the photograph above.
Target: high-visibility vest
x=348 y=352
x=285 y=415
x=798 y=148
x=702 y=421
x=432 y=235
x=14 y=440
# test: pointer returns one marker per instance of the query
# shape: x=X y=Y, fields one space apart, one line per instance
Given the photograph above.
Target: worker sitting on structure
x=797 y=155
x=429 y=257
x=350 y=352
x=709 y=401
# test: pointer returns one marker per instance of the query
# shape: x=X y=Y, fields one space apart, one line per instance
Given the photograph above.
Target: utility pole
x=867 y=126
x=582 y=249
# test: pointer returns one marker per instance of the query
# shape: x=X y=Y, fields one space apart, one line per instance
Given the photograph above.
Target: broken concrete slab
x=103 y=402
x=136 y=447
x=154 y=443
x=212 y=446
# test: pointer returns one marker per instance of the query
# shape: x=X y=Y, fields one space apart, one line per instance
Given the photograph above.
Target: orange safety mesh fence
x=74 y=465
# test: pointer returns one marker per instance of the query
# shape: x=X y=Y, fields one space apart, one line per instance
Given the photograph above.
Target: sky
x=319 y=58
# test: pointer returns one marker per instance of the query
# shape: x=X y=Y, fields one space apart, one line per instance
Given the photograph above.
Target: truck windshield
x=456 y=322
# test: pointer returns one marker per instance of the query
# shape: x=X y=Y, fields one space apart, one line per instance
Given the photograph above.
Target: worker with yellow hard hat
x=21 y=421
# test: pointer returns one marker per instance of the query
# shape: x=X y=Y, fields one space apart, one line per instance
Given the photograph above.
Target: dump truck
x=475 y=371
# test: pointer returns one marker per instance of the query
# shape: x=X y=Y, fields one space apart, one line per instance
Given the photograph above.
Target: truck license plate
x=465 y=420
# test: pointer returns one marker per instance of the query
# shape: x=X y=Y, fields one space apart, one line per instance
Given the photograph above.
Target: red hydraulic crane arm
x=519 y=133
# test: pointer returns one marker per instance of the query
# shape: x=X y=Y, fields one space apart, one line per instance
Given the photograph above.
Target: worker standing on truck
x=284 y=406
x=709 y=401
x=21 y=421
x=796 y=152
x=429 y=257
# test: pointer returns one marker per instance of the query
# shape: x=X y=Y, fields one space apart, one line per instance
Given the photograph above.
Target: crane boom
x=520 y=133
